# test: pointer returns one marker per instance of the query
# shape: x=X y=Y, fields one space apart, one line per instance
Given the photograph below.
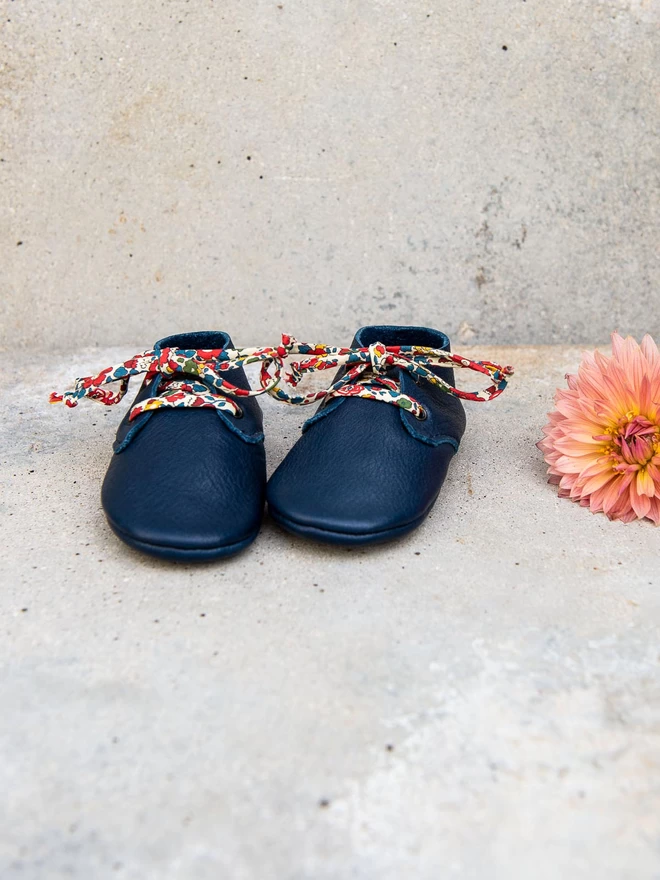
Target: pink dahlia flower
x=603 y=440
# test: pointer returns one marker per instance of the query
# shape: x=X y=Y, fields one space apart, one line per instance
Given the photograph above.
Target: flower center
x=633 y=442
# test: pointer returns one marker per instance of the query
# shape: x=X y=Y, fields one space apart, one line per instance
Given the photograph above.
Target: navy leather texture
x=188 y=483
x=365 y=471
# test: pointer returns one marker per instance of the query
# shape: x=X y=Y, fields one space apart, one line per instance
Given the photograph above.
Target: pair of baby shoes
x=187 y=480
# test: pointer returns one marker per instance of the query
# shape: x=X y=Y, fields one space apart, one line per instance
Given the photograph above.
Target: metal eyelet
x=239 y=413
x=422 y=415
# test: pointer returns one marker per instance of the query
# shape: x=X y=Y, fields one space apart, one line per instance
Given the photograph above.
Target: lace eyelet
x=239 y=413
x=422 y=415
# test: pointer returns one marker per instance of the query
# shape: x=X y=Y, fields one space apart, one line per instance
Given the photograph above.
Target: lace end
x=148 y=405
x=65 y=398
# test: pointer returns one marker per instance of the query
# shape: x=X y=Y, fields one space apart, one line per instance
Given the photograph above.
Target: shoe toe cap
x=357 y=493
x=191 y=505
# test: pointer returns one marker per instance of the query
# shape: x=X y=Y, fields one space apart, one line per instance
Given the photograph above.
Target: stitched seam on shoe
x=424 y=438
x=322 y=413
x=144 y=418
x=141 y=422
x=248 y=438
x=213 y=547
x=414 y=521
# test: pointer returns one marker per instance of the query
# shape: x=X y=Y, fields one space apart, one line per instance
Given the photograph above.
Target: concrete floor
x=479 y=700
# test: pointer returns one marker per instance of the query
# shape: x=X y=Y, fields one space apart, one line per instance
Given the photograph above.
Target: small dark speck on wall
x=324 y=802
x=19 y=243
x=505 y=48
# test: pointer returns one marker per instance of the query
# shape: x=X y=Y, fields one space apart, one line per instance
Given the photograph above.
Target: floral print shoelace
x=192 y=377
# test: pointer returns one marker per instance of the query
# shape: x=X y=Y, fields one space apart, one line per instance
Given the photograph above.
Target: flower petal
x=645 y=484
x=641 y=504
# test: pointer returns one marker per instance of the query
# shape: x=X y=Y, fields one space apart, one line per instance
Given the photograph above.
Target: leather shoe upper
x=190 y=479
x=364 y=468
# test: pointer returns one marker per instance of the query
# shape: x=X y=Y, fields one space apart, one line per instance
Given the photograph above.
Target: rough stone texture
x=484 y=167
x=480 y=700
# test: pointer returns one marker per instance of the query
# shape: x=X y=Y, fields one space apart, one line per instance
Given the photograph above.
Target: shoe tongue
x=400 y=335
x=203 y=339
x=206 y=339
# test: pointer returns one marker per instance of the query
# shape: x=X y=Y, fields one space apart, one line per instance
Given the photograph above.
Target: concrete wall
x=488 y=168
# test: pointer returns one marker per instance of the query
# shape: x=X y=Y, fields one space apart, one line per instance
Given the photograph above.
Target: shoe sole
x=346 y=539
x=181 y=554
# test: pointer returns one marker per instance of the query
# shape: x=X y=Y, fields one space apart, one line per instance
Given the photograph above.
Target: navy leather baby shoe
x=187 y=478
x=365 y=471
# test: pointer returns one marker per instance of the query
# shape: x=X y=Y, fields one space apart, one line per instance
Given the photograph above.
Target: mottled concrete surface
x=486 y=167
x=480 y=700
